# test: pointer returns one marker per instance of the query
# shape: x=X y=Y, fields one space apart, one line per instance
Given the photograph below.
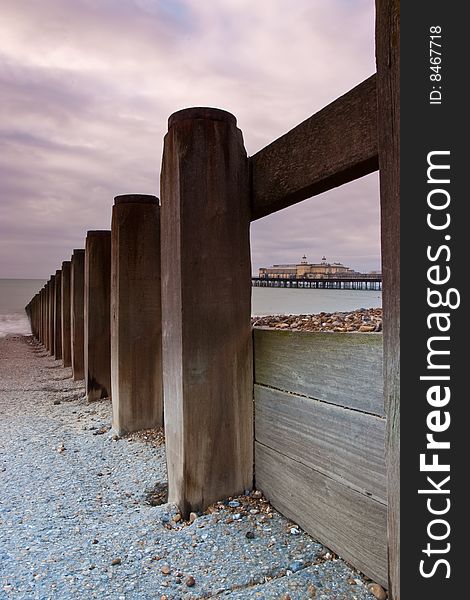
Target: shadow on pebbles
x=84 y=513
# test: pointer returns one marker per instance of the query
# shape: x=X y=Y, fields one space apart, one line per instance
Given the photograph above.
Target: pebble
x=377 y=591
x=165 y=570
x=294 y=531
x=116 y=561
x=363 y=320
x=250 y=535
x=190 y=581
x=192 y=517
x=234 y=504
x=296 y=565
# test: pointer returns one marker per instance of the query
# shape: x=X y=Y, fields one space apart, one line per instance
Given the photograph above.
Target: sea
x=16 y=293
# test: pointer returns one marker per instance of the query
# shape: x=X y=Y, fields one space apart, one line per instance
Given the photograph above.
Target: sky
x=87 y=87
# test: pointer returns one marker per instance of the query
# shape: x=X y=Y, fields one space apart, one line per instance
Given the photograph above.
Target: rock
x=296 y=565
x=190 y=581
x=312 y=590
x=234 y=504
x=116 y=561
x=56 y=402
x=177 y=518
x=257 y=494
x=294 y=531
x=377 y=591
x=192 y=517
x=165 y=570
x=250 y=535
x=237 y=516
x=366 y=328
x=285 y=597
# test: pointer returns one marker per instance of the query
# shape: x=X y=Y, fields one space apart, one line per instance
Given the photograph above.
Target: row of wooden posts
x=137 y=314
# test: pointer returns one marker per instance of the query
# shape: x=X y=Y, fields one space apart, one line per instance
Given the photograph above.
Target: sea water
x=16 y=293
x=14 y=296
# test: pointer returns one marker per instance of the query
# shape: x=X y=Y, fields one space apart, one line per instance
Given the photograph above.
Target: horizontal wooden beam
x=332 y=147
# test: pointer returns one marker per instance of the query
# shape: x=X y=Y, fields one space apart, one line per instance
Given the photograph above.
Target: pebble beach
x=84 y=514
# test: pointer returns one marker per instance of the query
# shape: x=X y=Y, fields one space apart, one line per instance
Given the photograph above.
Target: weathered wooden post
x=97 y=315
x=206 y=294
x=51 y=302
x=387 y=41
x=136 y=319
x=57 y=315
x=65 y=314
x=45 y=327
x=46 y=316
x=77 y=280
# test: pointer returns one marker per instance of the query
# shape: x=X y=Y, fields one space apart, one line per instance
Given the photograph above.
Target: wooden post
x=57 y=315
x=206 y=297
x=77 y=280
x=97 y=315
x=65 y=314
x=136 y=319
x=46 y=316
x=388 y=103
x=51 y=314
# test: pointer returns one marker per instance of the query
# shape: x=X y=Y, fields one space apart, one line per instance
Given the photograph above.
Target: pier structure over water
x=372 y=282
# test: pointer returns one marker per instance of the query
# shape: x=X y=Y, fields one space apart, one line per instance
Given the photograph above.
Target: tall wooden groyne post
x=97 y=346
x=58 y=315
x=65 y=314
x=207 y=347
x=50 y=313
x=77 y=290
x=136 y=320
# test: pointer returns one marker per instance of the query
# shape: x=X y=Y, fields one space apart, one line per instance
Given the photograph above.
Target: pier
x=373 y=283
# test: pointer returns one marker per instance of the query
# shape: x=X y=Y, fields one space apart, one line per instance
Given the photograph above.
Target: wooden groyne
x=197 y=346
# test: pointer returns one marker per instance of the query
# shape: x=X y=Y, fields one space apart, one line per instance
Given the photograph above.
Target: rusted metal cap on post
x=202 y=112
x=136 y=199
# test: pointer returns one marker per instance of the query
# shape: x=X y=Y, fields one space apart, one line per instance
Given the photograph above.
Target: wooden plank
x=341 y=368
x=349 y=523
x=387 y=36
x=346 y=445
x=334 y=146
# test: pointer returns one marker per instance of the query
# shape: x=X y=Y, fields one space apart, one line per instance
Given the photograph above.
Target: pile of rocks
x=365 y=320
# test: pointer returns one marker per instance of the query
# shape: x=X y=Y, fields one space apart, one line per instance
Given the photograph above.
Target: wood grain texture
x=58 y=315
x=136 y=314
x=388 y=99
x=344 y=369
x=346 y=445
x=334 y=146
x=65 y=314
x=77 y=291
x=207 y=343
x=351 y=524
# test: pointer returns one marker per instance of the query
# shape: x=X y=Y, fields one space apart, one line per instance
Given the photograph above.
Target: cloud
x=88 y=85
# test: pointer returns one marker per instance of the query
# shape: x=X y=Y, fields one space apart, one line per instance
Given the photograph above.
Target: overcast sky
x=87 y=87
